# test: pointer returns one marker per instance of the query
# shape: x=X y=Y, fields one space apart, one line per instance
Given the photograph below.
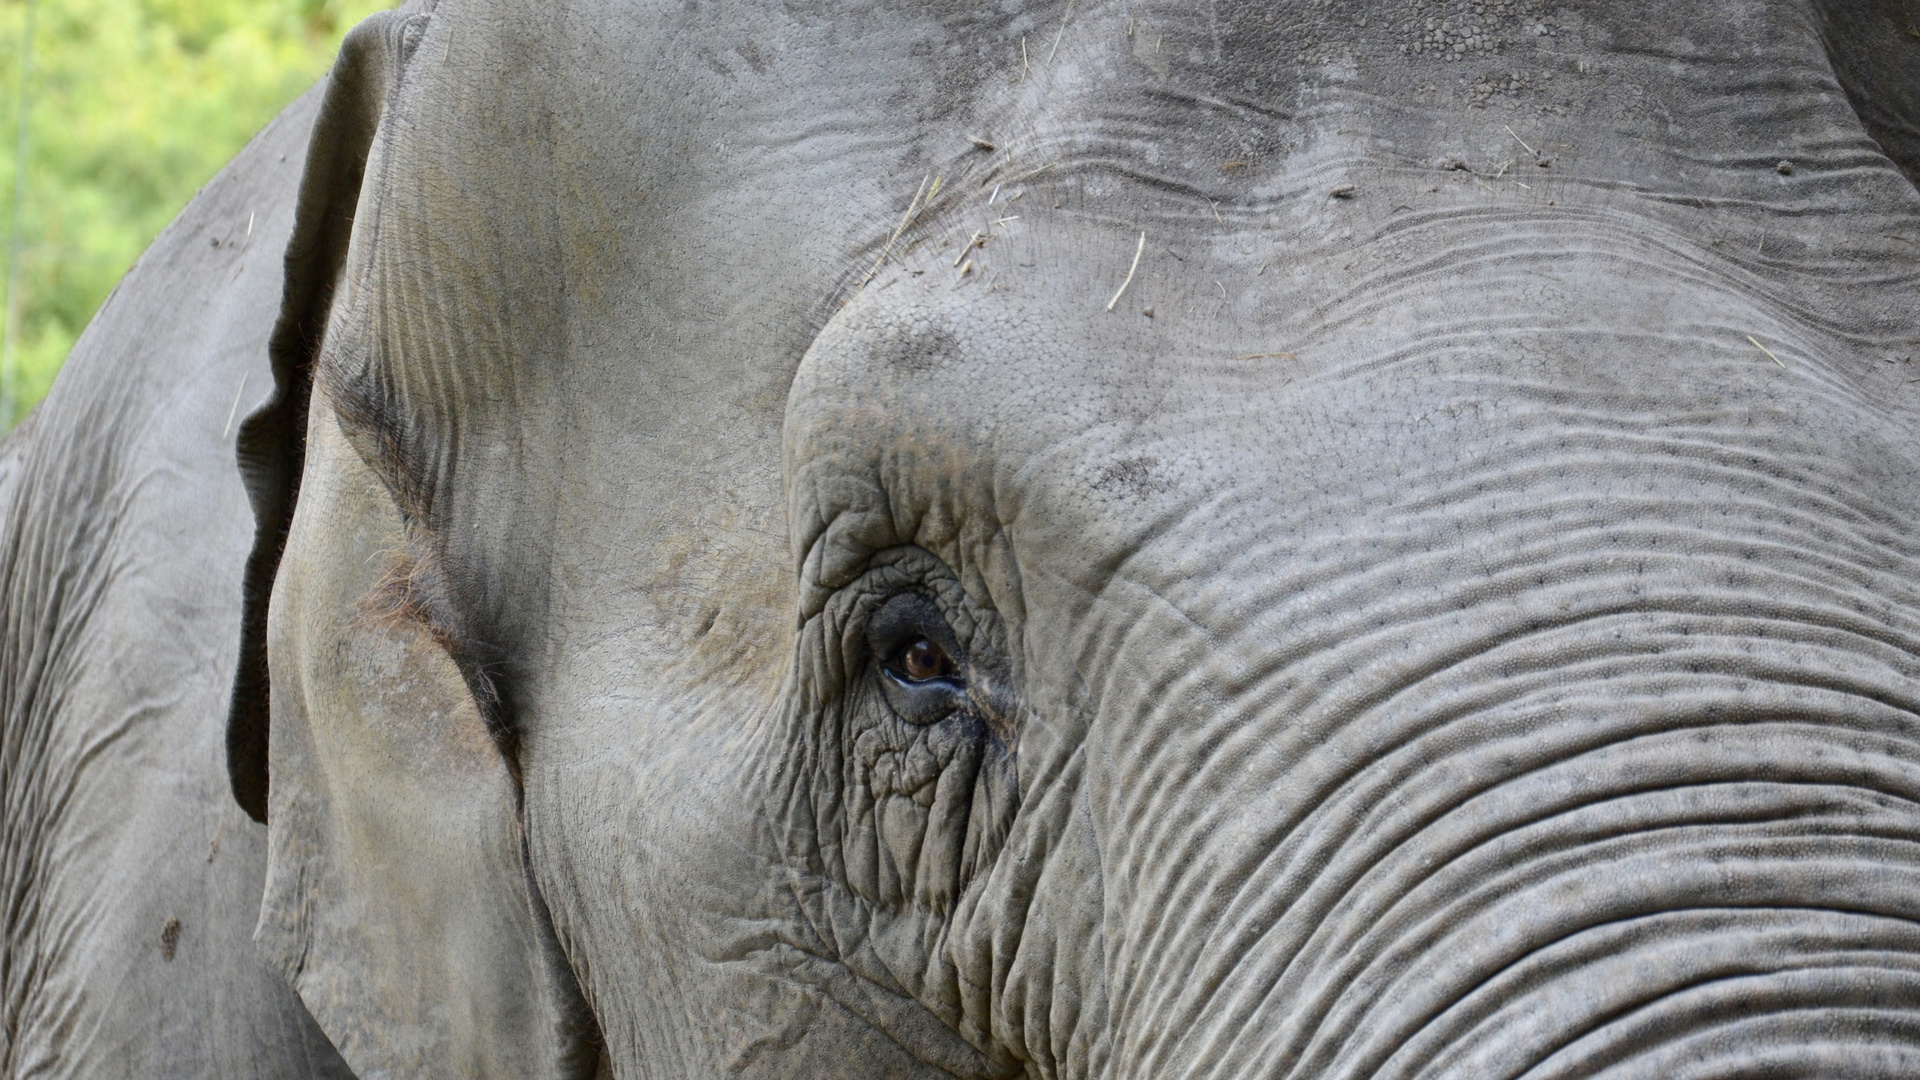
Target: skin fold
x=130 y=879
x=1411 y=507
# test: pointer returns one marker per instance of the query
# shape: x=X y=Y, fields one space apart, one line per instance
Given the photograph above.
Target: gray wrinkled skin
x=129 y=881
x=1456 y=612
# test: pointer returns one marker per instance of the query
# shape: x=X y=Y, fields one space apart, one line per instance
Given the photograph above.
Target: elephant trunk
x=1668 y=855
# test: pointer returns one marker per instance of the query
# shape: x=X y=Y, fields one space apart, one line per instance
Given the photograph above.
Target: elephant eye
x=922 y=668
x=923 y=660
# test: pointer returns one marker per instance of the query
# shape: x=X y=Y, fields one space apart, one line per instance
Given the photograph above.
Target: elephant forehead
x=950 y=414
x=930 y=416
x=915 y=357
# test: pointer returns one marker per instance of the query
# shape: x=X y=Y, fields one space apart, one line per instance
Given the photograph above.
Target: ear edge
x=272 y=440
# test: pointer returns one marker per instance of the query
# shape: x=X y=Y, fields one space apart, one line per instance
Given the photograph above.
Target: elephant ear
x=272 y=441
x=397 y=898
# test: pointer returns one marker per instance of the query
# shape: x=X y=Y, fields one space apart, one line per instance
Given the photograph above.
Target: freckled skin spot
x=169 y=938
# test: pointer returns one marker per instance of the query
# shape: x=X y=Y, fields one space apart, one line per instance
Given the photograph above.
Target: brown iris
x=924 y=661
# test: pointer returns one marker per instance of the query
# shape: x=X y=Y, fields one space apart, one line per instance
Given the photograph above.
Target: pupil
x=925 y=661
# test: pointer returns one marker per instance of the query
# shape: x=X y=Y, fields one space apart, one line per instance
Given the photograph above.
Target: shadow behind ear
x=1874 y=46
x=272 y=441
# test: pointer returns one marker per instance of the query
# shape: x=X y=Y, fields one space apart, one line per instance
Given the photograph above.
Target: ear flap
x=397 y=901
x=272 y=441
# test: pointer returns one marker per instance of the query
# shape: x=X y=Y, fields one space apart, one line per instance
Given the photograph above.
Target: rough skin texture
x=129 y=881
x=1421 y=498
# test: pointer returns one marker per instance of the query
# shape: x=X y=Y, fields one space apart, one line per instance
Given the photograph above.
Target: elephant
x=1086 y=539
x=130 y=882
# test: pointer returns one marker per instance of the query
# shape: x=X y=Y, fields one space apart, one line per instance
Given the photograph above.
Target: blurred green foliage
x=134 y=105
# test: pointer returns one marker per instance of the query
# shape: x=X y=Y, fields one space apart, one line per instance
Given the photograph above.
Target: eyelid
x=906 y=617
x=952 y=682
x=926 y=702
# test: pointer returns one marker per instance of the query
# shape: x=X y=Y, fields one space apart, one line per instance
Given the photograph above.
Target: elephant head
x=1097 y=540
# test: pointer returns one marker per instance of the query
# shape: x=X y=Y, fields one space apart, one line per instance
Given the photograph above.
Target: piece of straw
x=905 y=219
x=1138 y=248
x=1061 y=34
x=1766 y=350
x=235 y=407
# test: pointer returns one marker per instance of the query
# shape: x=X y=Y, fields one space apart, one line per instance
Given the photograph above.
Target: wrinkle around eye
x=924 y=702
x=841 y=551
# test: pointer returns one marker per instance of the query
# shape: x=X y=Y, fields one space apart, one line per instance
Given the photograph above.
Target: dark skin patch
x=1134 y=476
x=751 y=53
x=376 y=423
x=920 y=350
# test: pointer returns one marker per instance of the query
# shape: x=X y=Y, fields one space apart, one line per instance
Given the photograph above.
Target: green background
x=133 y=105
